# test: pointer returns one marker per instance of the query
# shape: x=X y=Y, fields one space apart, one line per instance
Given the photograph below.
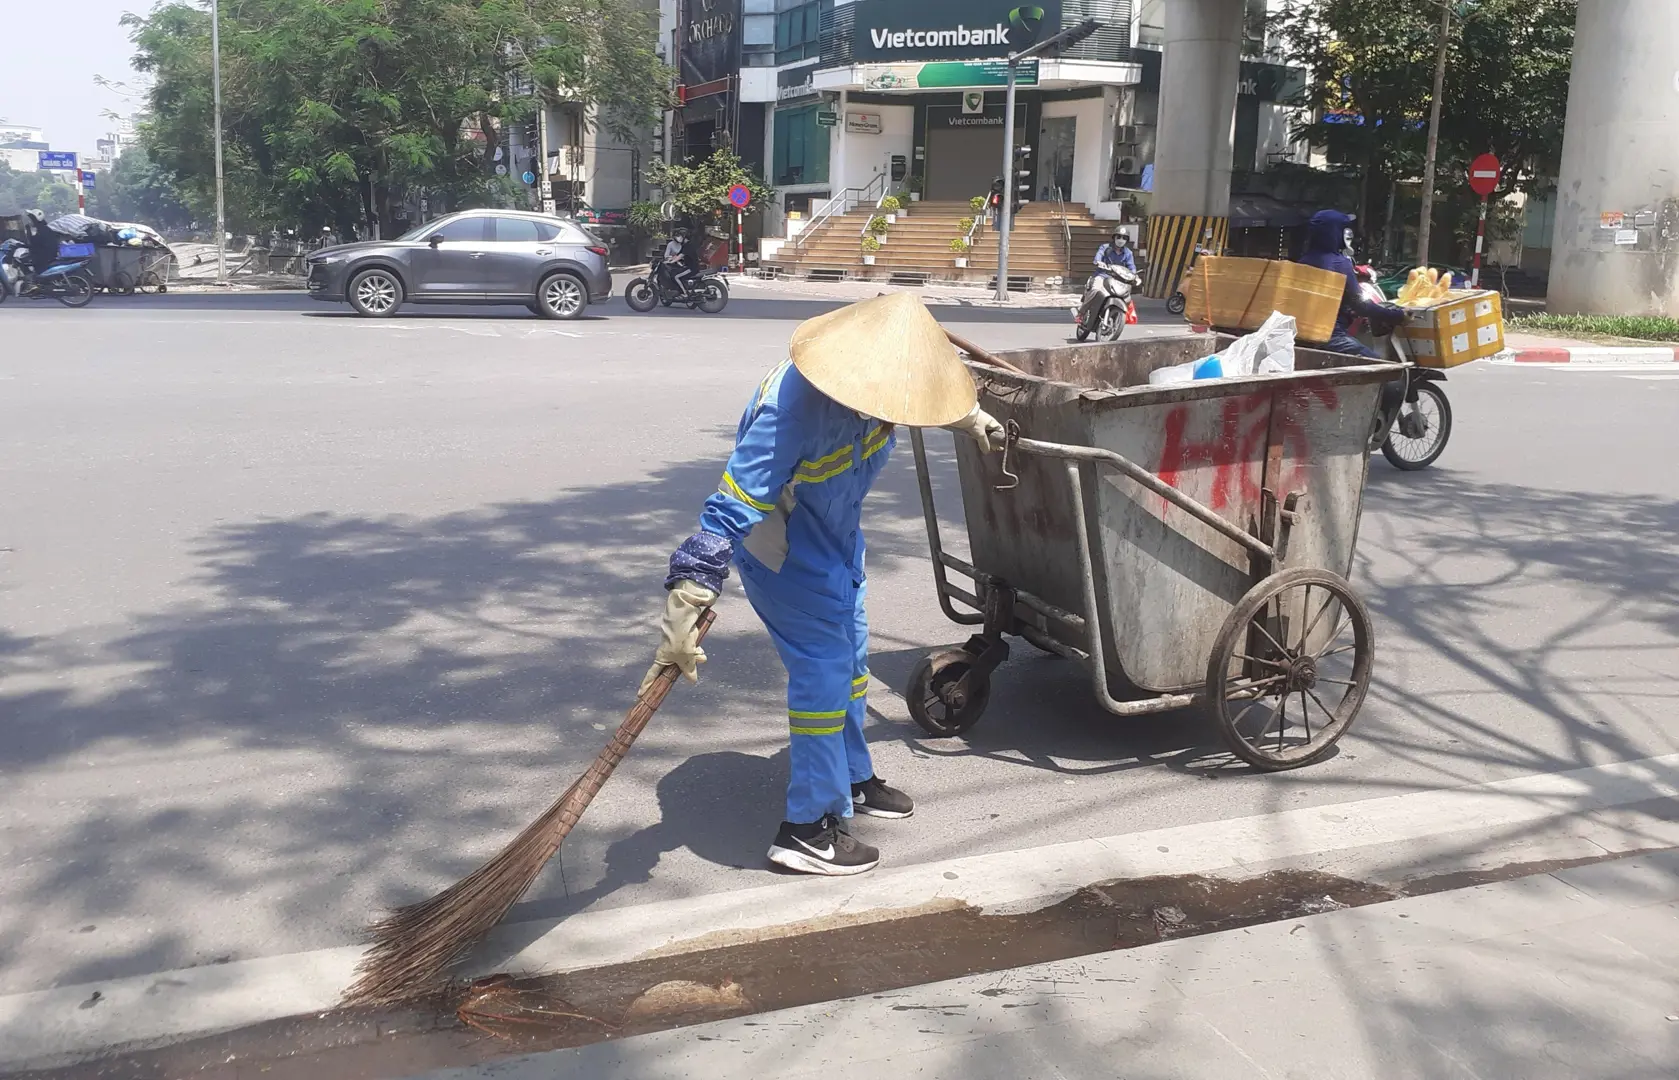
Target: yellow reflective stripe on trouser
x=859 y=686
x=825 y=729
x=729 y=487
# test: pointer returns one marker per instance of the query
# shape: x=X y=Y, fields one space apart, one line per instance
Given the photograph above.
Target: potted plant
x=977 y=204
x=917 y=184
x=892 y=206
x=959 y=246
x=871 y=244
x=965 y=226
x=877 y=228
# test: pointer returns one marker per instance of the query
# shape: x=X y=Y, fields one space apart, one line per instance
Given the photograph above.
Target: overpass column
x=1619 y=157
x=1194 y=137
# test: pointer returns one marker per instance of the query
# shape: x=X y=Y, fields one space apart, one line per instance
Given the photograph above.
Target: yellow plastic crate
x=1467 y=325
x=1240 y=294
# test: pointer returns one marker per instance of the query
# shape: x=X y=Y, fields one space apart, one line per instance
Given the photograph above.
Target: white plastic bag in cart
x=1267 y=351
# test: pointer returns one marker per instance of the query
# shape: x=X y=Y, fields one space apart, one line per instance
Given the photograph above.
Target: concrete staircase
x=916 y=248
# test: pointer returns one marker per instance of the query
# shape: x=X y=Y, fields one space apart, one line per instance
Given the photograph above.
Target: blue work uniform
x=1111 y=253
x=788 y=513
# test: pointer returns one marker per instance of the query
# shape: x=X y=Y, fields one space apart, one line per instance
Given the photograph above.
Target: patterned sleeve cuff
x=704 y=558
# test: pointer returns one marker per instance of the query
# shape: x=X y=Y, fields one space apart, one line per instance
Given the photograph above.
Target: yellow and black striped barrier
x=1171 y=245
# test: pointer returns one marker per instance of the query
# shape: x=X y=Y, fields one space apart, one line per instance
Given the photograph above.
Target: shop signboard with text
x=894 y=31
x=710 y=48
x=946 y=75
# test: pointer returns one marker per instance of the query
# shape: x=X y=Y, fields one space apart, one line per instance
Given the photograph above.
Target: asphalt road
x=302 y=615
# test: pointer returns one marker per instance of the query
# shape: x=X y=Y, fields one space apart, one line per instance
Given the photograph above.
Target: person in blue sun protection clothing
x=788 y=513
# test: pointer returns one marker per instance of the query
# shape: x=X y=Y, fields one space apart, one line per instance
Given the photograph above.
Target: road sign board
x=54 y=160
x=89 y=179
x=529 y=177
x=739 y=197
x=1484 y=173
x=827 y=119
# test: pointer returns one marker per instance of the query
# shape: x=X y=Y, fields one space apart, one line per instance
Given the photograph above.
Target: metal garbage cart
x=1188 y=544
x=130 y=269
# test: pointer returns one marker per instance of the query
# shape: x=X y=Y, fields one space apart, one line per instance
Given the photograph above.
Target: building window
x=798 y=32
x=801 y=147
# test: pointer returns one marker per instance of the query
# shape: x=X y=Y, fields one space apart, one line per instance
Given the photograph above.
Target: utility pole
x=544 y=180
x=216 y=78
x=1427 y=222
x=1070 y=36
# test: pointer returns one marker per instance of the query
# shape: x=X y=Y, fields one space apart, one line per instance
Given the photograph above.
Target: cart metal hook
x=1011 y=435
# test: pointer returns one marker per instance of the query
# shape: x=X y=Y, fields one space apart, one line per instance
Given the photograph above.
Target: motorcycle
x=66 y=280
x=1106 y=304
x=1177 y=302
x=1413 y=424
x=708 y=291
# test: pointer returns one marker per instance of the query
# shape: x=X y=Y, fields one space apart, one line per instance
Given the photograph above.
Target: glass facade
x=798 y=31
x=801 y=148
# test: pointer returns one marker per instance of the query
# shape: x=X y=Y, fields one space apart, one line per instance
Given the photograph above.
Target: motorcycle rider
x=1116 y=252
x=1329 y=246
x=41 y=241
x=675 y=265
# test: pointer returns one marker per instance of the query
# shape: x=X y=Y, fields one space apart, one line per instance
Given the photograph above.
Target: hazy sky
x=51 y=85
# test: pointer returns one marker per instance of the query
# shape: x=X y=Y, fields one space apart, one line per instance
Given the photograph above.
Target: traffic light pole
x=1006 y=203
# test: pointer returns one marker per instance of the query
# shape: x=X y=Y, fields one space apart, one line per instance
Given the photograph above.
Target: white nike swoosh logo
x=822 y=853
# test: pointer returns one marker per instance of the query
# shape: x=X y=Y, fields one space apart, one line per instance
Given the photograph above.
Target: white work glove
x=981 y=427
x=679 y=642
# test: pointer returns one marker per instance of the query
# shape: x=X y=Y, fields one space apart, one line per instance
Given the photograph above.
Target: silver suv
x=551 y=265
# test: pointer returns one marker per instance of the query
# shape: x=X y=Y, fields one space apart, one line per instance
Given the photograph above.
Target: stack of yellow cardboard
x=1239 y=294
x=1466 y=325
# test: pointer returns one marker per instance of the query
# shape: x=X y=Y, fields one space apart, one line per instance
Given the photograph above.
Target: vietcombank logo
x=1026 y=20
x=1021 y=28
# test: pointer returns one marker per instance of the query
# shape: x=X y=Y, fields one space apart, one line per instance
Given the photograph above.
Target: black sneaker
x=874 y=798
x=822 y=848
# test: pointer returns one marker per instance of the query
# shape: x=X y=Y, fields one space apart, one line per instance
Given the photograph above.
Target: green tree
x=137 y=189
x=340 y=111
x=1370 y=66
x=35 y=191
x=700 y=191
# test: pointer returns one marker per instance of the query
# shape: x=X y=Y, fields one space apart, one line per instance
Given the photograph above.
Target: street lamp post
x=1070 y=36
x=216 y=78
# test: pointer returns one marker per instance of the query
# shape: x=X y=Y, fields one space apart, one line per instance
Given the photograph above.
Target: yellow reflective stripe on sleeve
x=828 y=459
x=729 y=487
x=876 y=441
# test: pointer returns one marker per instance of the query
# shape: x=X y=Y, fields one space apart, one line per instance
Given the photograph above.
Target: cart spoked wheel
x=1290 y=669
x=948 y=693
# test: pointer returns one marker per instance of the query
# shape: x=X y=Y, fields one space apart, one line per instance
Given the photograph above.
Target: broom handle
x=980 y=354
x=583 y=792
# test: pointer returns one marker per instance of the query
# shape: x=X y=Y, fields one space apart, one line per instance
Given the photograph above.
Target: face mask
x=1347 y=240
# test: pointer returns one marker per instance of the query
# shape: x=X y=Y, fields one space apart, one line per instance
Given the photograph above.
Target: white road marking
x=47 y=1026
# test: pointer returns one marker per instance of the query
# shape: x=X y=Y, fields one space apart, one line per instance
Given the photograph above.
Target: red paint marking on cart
x=1236 y=452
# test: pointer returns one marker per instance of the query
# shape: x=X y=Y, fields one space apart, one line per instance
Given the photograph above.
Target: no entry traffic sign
x=1484 y=173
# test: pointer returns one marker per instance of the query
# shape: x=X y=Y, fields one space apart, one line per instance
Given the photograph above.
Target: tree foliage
x=34 y=191
x=701 y=190
x=335 y=111
x=137 y=189
x=1370 y=66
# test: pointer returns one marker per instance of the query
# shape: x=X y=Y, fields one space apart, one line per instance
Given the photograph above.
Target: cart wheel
x=941 y=700
x=122 y=284
x=1299 y=637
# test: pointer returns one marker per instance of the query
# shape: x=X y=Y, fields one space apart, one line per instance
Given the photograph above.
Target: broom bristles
x=413 y=947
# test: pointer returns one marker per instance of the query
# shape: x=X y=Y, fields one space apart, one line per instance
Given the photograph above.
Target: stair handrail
x=1066 y=237
x=838 y=204
x=880 y=182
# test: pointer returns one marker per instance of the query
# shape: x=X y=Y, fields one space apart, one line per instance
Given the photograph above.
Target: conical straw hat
x=887 y=358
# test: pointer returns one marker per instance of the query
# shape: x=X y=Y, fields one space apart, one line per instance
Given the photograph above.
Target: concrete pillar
x=1194 y=136
x=1620 y=156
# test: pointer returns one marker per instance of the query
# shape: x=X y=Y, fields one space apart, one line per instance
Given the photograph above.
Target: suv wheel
x=375 y=293
x=561 y=296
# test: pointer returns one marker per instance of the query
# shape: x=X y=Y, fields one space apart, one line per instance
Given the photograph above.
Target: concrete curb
x=1596 y=354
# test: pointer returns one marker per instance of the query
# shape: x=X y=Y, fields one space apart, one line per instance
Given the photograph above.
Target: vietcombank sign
x=949 y=29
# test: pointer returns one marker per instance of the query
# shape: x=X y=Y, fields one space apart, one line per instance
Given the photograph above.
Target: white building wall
x=867 y=156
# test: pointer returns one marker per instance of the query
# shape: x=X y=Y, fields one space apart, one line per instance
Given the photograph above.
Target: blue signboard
x=56 y=159
x=89 y=179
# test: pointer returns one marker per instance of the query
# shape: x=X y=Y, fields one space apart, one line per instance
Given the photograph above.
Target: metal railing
x=840 y=204
x=1066 y=236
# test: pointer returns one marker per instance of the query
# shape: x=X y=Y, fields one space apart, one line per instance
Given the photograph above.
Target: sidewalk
x=1541 y=349
x=1567 y=975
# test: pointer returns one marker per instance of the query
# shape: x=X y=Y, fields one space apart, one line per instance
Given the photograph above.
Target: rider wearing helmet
x=1329 y=244
x=41 y=241
x=1116 y=252
x=676 y=260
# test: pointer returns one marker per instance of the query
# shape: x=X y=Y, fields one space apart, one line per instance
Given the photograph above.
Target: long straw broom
x=413 y=947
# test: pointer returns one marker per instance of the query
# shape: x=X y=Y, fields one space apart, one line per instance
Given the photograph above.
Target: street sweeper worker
x=787 y=513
